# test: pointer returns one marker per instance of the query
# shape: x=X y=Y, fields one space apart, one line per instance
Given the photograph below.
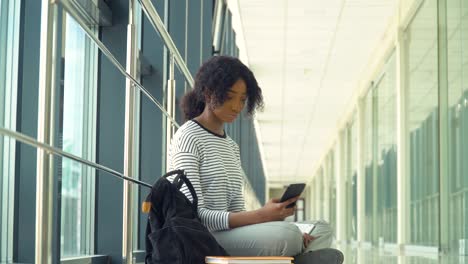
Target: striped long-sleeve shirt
x=212 y=164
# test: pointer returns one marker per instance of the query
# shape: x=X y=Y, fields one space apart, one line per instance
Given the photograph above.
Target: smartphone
x=292 y=191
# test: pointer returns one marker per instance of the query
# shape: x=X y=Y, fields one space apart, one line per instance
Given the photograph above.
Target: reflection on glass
x=422 y=113
x=457 y=26
x=78 y=138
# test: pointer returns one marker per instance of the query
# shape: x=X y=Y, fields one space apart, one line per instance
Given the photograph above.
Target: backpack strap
x=174 y=172
x=179 y=180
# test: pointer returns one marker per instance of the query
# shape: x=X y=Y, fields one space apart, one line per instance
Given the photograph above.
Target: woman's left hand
x=307 y=239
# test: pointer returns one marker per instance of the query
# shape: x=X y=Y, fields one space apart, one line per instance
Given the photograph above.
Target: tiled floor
x=374 y=255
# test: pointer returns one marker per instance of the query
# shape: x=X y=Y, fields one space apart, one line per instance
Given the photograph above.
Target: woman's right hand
x=274 y=210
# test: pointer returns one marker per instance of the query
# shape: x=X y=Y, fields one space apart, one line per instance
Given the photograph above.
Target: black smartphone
x=292 y=191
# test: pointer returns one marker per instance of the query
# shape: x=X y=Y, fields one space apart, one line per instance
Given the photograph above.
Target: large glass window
x=386 y=215
x=79 y=137
x=422 y=113
x=379 y=156
x=457 y=27
x=9 y=31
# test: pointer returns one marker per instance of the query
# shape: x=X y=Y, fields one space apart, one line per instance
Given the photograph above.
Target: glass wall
x=79 y=137
x=90 y=121
x=457 y=31
x=420 y=85
x=422 y=115
x=386 y=166
x=9 y=34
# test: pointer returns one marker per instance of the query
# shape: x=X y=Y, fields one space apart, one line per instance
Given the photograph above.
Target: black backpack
x=174 y=232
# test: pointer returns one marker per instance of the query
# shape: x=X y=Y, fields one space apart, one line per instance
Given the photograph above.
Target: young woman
x=223 y=88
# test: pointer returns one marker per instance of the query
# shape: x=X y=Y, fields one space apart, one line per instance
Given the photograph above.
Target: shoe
x=321 y=256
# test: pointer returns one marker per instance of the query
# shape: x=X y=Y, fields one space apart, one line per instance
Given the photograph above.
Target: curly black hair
x=214 y=79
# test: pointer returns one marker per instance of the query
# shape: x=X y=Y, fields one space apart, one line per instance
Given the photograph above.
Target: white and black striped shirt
x=212 y=164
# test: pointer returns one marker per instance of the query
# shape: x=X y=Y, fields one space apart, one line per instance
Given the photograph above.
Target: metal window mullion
x=88 y=192
x=92 y=120
x=2 y=139
x=15 y=16
x=137 y=126
x=136 y=169
x=3 y=153
x=170 y=104
x=44 y=180
x=165 y=71
x=129 y=143
x=404 y=156
x=218 y=24
x=7 y=145
x=443 y=126
x=85 y=179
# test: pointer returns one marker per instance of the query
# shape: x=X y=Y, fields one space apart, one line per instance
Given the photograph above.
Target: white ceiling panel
x=308 y=56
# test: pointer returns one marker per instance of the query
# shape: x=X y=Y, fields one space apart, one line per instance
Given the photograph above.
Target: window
x=457 y=21
x=351 y=180
x=385 y=156
x=423 y=125
x=9 y=29
x=78 y=138
x=369 y=171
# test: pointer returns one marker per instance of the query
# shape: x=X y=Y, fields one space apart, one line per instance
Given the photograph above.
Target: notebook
x=305 y=228
x=246 y=260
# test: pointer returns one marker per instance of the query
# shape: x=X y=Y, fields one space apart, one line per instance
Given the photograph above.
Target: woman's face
x=236 y=98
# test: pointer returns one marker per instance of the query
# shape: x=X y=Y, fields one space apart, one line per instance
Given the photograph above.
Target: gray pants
x=273 y=239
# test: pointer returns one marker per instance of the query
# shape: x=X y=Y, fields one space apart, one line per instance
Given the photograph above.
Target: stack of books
x=248 y=260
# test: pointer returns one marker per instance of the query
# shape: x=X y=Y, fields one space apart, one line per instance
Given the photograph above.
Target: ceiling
x=308 y=56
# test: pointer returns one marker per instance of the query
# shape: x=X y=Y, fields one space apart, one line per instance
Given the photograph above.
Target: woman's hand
x=274 y=210
x=307 y=239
